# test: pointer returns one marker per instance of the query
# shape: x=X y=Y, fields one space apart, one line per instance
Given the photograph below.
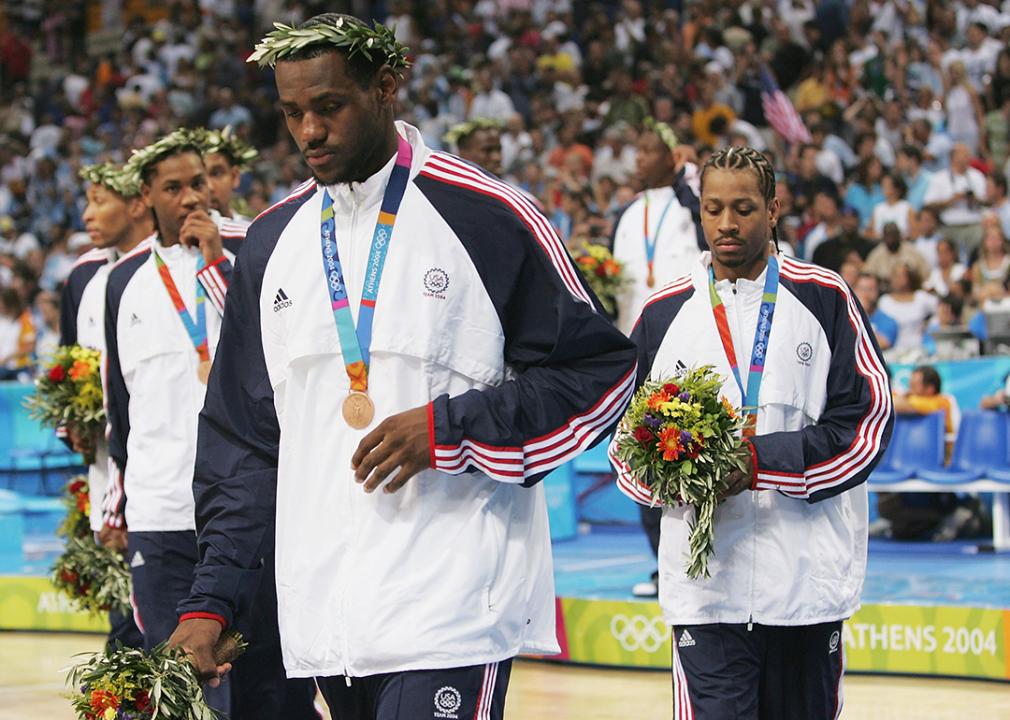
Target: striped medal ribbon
x=197 y=329
x=650 y=243
x=761 y=335
x=358 y=408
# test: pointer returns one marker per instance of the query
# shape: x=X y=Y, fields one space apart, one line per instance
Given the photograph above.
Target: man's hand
x=740 y=480
x=115 y=539
x=197 y=637
x=81 y=441
x=199 y=230
x=401 y=442
x=682 y=155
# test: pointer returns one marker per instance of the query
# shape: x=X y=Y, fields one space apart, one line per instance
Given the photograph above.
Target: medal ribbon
x=197 y=330
x=761 y=335
x=650 y=243
x=355 y=342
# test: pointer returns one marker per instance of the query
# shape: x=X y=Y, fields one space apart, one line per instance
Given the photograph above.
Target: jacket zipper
x=350 y=486
x=738 y=311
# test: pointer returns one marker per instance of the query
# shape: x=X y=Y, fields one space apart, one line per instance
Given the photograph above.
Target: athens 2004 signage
x=961 y=642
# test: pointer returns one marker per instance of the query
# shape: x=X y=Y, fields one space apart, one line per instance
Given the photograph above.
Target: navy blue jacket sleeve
x=687 y=198
x=70 y=300
x=117 y=397
x=235 y=480
x=847 y=441
x=574 y=372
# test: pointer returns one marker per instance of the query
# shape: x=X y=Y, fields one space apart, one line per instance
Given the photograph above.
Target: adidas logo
x=138 y=560
x=281 y=300
x=686 y=640
x=134 y=320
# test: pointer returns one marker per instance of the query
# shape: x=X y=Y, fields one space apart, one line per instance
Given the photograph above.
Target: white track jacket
x=793 y=550
x=481 y=318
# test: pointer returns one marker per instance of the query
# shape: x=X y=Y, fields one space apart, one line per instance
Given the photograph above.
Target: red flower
x=601 y=270
x=82 y=503
x=85 y=586
x=671 y=389
x=75 y=487
x=68 y=576
x=669 y=443
x=143 y=700
x=57 y=374
x=643 y=435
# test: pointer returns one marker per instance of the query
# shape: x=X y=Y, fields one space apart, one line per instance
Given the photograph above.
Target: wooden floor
x=31 y=682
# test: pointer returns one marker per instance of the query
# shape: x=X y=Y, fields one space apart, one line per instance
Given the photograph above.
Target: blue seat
x=917 y=443
x=981 y=446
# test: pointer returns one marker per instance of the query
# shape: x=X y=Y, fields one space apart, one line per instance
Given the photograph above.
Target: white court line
x=26 y=688
x=610 y=562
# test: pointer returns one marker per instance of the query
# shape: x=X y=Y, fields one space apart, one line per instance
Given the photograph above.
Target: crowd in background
x=902 y=186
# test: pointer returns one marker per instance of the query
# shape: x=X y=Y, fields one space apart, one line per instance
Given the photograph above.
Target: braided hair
x=745 y=159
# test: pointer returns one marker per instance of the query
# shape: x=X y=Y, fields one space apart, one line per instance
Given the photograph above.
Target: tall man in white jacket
x=407 y=350
x=761 y=637
x=656 y=236
x=120 y=225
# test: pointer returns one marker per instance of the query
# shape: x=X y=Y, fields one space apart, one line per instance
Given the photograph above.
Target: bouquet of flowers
x=97 y=578
x=680 y=439
x=603 y=274
x=69 y=393
x=129 y=684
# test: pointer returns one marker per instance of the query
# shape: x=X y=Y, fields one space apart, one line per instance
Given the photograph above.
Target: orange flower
x=80 y=369
x=100 y=700
x=657 y=400
x=612 y=268
x=669 y=443
x=587 y=260
x=729 y=408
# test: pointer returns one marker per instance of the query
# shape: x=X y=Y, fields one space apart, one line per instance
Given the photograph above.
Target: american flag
x=779 y=112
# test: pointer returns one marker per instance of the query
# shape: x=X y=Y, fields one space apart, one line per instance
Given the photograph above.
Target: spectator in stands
x=909 y=305
x=867 y=291
x=47 y=310
x=892 y=251
x=894 y=208
x=912 y=515
x=927 y=223
x=996 y=196
x=908 y=162
x=808 y=180
x=707 y=112
x=957 y=194
x=949 y=271
x=488 y=101
x=834 y=251
x=864 y=193
x=993 y=258
x=963 y=106
x=17 y=336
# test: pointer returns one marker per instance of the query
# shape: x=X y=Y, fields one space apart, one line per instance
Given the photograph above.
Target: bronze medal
x=650 y=281
x=203 y=371
x=358 y=410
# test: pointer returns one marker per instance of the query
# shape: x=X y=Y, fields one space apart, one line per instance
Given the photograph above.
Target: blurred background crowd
x=894 y=173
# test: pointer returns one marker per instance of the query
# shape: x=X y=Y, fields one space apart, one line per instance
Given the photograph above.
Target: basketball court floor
x=31 y=681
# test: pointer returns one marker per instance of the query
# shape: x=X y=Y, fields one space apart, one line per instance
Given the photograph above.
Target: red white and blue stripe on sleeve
x=214 y=279
x=541 y=454
x=833 y=467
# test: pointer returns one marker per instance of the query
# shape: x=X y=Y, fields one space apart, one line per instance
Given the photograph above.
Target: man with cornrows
x=761 y=637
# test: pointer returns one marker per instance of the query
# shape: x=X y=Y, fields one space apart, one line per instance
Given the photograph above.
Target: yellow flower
x=109 y=714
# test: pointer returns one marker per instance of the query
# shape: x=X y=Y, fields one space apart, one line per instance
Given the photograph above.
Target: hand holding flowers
x=681 y=439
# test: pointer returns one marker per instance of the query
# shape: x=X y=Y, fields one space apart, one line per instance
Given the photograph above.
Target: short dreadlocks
x=745 y=159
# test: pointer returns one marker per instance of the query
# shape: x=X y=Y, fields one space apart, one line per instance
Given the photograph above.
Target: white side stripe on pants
x=486 y=692
x=682 y=709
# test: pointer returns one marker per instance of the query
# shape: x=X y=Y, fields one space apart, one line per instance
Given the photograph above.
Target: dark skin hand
x=199 y=230
x=116 y=539
x=82 y=442
x=197 y=637
x=400 y=441
x=740 y=480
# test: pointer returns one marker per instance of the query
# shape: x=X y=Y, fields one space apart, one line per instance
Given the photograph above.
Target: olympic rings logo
x=639 y=632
